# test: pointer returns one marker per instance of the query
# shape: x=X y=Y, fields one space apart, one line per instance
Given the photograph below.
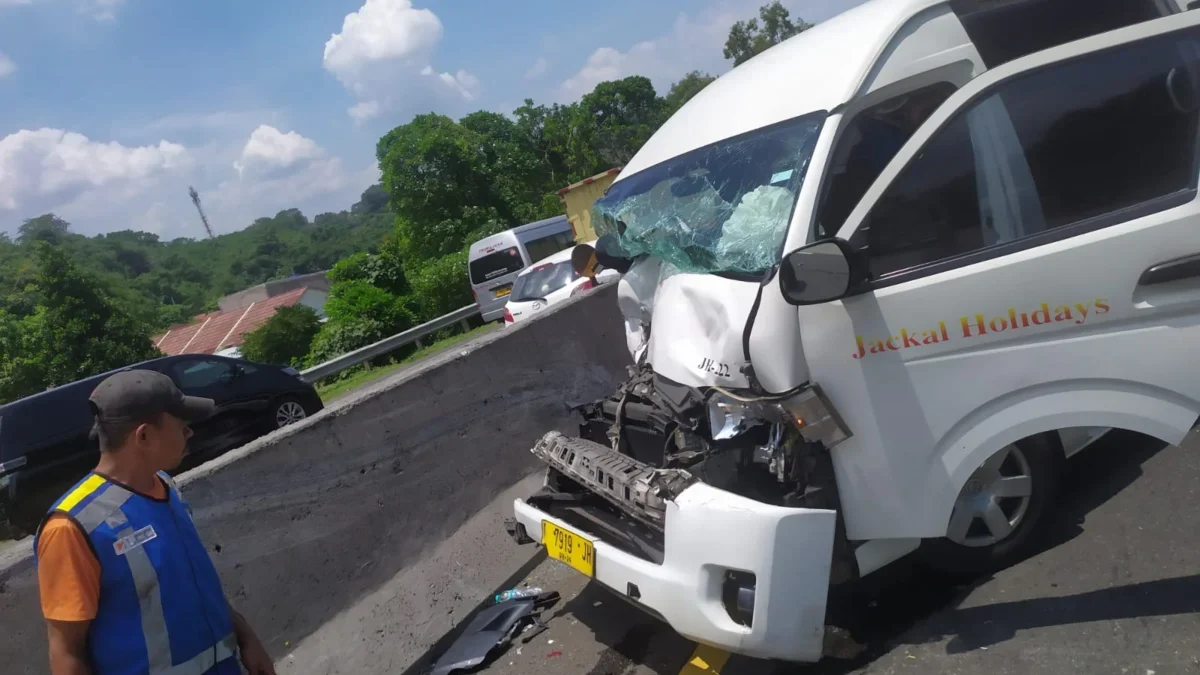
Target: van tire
x=1043 y=459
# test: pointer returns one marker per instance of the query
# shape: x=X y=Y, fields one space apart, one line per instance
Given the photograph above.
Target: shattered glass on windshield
x=723 y=208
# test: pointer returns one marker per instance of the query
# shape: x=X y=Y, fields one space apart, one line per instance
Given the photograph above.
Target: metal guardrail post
x=337 y=365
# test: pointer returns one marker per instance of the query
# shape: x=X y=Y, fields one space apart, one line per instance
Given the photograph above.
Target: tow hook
x=517 y=531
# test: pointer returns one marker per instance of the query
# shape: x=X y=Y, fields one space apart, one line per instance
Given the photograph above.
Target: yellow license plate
x=563 y=544
x=501 y=292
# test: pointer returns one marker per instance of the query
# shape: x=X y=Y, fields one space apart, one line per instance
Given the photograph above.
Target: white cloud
x=538 y=69
x=46 y=167
x=7 y=67
x=106 y=186
x=695 y=42
x=270 y=149
x=383 y=56
x=364 y=110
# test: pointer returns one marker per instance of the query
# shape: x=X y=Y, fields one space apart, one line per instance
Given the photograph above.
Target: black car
x=45 y=443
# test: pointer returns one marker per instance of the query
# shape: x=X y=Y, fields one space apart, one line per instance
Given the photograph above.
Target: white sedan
x=547 y=282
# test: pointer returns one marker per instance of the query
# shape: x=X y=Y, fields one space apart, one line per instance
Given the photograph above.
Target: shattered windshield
x=723 y=208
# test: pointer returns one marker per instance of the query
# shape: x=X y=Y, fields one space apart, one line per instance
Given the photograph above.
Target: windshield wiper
x=531 y=299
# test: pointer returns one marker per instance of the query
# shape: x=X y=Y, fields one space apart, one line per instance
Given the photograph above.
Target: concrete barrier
x=353 y=540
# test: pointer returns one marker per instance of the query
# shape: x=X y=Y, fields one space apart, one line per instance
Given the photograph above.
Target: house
x=222 y=332
x=316 y=281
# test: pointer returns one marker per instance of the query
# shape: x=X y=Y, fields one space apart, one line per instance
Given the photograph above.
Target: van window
x=495 y=265
x=1068 y=143
x=544 y=247
x=1005 y=31
x=869 y=142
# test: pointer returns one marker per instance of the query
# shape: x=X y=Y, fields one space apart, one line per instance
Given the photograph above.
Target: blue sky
x=109 y=109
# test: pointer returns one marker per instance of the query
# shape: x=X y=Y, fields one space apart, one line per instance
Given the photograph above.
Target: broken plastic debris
x=549 y=642
x=554 y=654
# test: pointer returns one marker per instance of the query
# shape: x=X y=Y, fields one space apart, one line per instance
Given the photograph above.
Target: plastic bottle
x=516 y=594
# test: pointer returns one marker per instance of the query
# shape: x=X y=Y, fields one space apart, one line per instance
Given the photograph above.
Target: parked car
x=45 y=442
x=493 y=262
x=548 y=282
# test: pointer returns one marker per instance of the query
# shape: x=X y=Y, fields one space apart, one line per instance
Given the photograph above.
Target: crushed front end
x=713 y=510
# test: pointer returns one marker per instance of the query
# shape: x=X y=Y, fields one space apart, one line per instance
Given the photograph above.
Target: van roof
x=497 y=238
x=818 y=69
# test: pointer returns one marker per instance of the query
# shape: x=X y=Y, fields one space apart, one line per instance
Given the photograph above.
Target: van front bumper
x=715 y=543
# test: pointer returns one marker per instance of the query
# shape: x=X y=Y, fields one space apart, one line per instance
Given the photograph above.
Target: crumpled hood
x=696 y=322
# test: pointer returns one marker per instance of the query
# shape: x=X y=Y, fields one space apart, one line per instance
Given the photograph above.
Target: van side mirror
x=818 y=272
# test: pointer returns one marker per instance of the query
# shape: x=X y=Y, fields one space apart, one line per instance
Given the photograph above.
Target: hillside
x=162 y=282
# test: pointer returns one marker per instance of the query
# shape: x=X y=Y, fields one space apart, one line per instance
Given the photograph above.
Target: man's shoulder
x=58 y=530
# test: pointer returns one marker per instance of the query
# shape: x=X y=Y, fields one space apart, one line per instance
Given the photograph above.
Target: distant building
x=222 y=332
x=315 y=281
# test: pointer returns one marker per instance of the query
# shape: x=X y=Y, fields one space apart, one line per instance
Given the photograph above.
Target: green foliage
x=163 y=282
x=340 y=337
x=351 y=301
x=620 y=116
x=747 y=39
x=75 y=331
x=441 y=286
x=285 y=338
x=682 y=91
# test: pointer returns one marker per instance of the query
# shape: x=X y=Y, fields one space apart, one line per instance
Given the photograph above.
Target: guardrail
x=334 y=366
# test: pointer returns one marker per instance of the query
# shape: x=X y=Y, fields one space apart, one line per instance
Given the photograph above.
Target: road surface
x=1115 y=590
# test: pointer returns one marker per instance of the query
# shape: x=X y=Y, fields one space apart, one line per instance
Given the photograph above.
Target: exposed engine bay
x=643 y=445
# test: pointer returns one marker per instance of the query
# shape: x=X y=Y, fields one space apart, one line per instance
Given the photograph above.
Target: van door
x=1034 y=257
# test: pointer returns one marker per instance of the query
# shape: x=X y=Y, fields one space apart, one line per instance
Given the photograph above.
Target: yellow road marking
x=705 y=661
x=80 y=493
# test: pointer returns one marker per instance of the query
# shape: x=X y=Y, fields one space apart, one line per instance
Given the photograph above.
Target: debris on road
x=494 y=628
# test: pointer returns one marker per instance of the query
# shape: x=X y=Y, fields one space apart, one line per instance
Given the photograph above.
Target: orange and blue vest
x=162 y=610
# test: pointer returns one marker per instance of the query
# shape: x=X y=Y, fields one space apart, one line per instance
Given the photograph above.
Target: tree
x=374 y=200
x=688 y=86
x=746 y=39
x=441 y=185
x=76 y=331
x=285 y=338
x=622 y=115
x=48 y=228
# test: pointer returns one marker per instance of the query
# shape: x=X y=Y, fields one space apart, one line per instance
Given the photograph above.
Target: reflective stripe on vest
x=106 y=509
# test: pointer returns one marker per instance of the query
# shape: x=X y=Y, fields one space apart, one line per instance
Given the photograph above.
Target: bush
x=285 y=338
x=343 y=337
x=442 y=286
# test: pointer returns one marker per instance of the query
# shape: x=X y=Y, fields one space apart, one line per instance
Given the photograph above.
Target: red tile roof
x=215 y=331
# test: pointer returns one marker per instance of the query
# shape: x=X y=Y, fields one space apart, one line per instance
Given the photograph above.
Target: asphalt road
x=1116 y=589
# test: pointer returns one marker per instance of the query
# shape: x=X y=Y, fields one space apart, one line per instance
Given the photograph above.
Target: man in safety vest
x=126 y=583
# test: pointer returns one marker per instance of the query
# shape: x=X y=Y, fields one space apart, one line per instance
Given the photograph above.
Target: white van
x=884 y=277
x=493 y=262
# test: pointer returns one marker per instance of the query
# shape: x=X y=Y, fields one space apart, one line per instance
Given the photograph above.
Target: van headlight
x=728 y=417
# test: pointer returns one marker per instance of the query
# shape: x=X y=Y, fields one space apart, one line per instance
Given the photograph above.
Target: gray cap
x=141 y=395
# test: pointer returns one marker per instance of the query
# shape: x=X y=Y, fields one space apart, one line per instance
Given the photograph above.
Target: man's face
x=163 y=443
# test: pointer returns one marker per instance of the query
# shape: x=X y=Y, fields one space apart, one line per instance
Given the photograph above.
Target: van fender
x=1027 y=412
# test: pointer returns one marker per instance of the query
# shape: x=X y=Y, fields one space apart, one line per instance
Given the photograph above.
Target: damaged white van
x=879 y=281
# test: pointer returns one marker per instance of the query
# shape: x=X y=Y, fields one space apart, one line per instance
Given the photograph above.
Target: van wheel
x=287 y=410
x=1000 y=512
